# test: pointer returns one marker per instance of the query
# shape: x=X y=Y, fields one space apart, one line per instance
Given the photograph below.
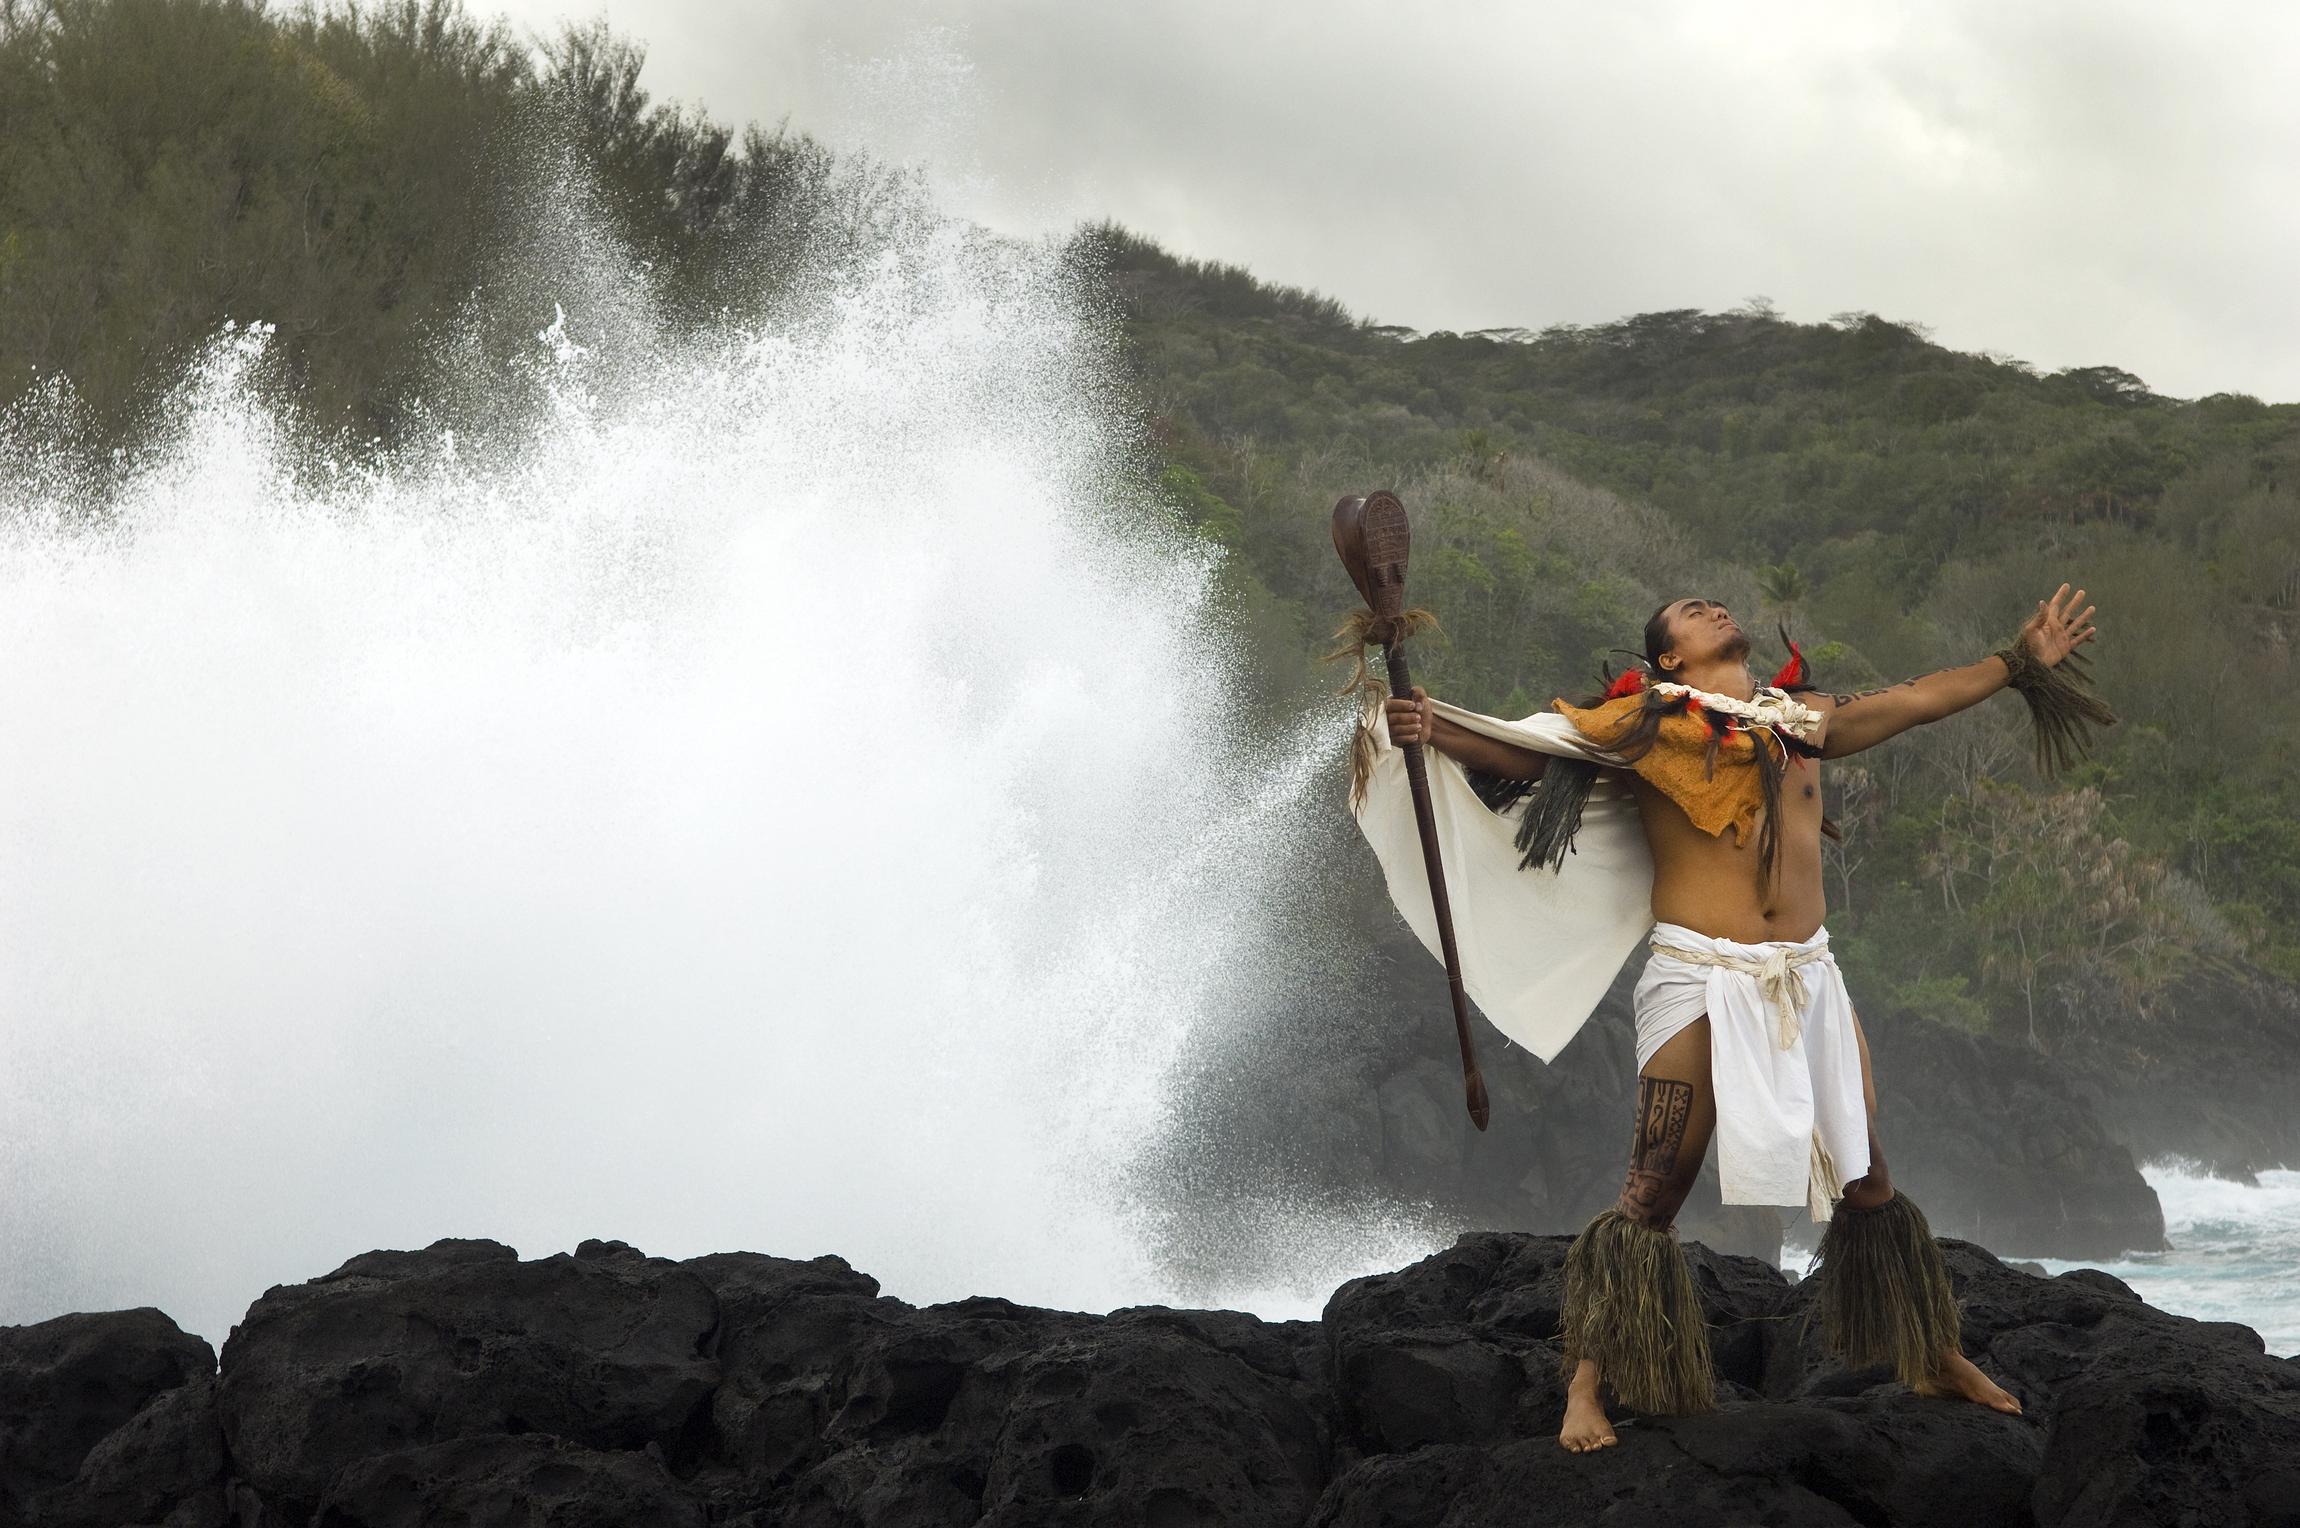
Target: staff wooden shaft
x=1425 y=818
x=1372 y=537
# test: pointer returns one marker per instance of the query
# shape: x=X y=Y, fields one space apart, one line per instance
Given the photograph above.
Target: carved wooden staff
x=1371 y=535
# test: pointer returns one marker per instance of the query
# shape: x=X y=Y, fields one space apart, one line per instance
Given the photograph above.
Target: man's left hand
x=2059 y=627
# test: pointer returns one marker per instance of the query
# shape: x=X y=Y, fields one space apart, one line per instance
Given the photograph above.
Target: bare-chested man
x=1727 y=784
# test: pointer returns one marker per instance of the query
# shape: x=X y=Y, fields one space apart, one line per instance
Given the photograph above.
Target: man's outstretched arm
x=1864 y=720
x=1412 y=721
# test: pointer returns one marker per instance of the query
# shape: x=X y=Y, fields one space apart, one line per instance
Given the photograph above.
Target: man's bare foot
x=1958 y=1380
x=1585 y=1425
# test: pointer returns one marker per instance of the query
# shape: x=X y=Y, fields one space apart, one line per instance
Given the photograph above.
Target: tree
x=2059 y=901
x=1485 y=460
x=1859 y=808
x=1784 y=588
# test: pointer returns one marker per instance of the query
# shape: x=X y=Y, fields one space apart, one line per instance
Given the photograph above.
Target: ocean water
x=2235 y=1252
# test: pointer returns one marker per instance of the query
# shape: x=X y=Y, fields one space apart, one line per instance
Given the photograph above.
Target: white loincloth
x=1784 y=1062
x=1538 y=949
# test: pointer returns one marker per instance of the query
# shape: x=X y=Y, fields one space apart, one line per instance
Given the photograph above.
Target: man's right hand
x=1410 y=721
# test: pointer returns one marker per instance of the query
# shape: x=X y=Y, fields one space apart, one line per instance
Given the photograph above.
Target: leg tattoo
x=1657 y=1181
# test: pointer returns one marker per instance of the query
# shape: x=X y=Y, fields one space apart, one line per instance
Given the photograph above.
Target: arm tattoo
x=1653 y=1190
x=1846 y=700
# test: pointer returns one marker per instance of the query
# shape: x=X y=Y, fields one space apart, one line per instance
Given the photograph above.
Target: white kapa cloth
x=1784 y=1060
x=1539 y=949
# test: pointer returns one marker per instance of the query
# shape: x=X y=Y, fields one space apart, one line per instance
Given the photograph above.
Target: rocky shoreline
x=461 y=1385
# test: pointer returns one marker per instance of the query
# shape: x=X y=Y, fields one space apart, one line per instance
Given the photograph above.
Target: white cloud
x=2071 y=183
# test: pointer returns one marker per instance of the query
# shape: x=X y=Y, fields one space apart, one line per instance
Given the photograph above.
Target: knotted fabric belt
x=1779 y=980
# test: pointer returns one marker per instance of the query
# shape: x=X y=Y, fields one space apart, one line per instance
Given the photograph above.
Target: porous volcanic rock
x=500 y=1478
x=108 y=1419
x=460 y=1385
x=840 y=1406
x=1448 y=1395
x=396 y=1350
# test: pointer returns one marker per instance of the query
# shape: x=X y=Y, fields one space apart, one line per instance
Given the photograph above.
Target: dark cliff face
x=2214 y=1077
x=2015 y=1149
x=460 y=1385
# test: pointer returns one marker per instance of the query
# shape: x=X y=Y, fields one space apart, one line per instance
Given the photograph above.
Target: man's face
x=1703 y=631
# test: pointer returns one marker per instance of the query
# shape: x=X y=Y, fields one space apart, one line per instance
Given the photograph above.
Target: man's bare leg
x=1676 y=1113
x=1957 y=1376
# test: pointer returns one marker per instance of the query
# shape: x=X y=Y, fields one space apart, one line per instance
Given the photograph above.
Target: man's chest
x=1723 y=808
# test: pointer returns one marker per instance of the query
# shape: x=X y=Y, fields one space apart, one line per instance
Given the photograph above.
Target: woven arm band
x=2061 y=705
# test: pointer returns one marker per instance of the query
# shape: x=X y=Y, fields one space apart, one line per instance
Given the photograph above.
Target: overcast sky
x=2073 y=184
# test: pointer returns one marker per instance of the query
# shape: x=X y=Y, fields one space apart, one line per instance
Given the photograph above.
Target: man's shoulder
x=1822 y=701
x=1603 y=720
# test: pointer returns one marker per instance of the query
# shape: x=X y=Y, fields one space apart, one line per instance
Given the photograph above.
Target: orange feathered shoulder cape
x=1700 y=758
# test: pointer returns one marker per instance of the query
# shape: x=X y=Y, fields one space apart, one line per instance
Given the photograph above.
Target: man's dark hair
x=1657 y=636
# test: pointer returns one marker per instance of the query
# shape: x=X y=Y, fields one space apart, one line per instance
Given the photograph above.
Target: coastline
x=2235 y=1253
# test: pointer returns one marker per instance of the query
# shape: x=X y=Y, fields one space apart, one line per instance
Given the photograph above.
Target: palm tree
x=1487 y=461
x=1783 y=588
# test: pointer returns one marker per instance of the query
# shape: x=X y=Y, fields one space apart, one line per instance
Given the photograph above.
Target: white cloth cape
x=1537 y=949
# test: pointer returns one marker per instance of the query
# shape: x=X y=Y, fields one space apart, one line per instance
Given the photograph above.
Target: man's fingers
x=2063 y=610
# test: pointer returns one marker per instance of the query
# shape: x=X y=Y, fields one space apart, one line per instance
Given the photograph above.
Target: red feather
x=1628 y=682
x=1792 y=672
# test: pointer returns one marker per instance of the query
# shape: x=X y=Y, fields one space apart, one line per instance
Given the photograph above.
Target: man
x=1744 y=1029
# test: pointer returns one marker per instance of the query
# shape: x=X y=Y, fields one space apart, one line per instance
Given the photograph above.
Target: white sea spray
x=765 y=789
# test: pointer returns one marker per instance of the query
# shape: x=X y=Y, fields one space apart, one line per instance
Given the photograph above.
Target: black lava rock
x=108 y=1420
x=460 y=1385
x=396 y=1351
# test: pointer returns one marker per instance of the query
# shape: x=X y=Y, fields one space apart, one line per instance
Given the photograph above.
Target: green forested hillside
x=351 y=173
x=1899 y=506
